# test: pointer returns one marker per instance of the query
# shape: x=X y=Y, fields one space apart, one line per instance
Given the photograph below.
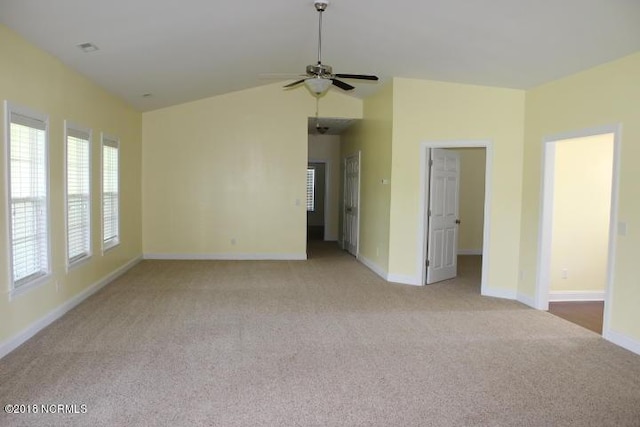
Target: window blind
x=78 y=195
x=311 y=183
x=110 y=193
x=28 y=195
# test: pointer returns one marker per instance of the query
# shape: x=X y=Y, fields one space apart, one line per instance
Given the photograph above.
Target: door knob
x=457 y=221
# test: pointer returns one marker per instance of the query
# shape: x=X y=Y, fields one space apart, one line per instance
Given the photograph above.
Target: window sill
x=27 y=287
x=110 y=246
x=78 y=262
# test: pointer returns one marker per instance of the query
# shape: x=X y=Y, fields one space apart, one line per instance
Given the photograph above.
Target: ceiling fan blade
x=342 y=85
x=280 y=76
x=297 y=82
x=357 y=76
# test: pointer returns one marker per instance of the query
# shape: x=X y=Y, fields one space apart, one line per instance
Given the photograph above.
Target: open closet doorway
x=455 y=184
x=577 y=226
x=324 y=184
x=316 y=195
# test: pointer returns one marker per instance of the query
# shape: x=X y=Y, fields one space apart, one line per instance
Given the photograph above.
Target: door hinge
x=430 y=162
x=429 y=212
x=427 y=262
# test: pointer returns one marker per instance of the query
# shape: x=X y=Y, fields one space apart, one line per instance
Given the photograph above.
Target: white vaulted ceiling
x=190 y=49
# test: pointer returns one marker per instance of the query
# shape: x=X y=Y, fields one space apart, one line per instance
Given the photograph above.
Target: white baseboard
x=228 y=256
x=389 y=277
x=526 y=300
x=403 y=279
x=470 y=251
x=558 y=296
x=21 y=337
x=623 y=341
x=498 y=293
x=373 y=266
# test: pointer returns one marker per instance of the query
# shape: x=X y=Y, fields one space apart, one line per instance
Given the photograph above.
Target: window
x=78 y=170
x=311 y=183
x=110 y=193
x=28 y=196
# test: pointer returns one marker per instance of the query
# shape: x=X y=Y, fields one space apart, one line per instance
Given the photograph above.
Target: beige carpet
x=322 y=342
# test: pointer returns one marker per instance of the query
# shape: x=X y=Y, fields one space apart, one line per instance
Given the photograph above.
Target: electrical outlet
x=521 y=275
x=565 y=273
x=233 y=241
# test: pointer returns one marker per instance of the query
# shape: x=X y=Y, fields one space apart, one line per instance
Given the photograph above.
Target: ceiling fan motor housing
x=320 y=70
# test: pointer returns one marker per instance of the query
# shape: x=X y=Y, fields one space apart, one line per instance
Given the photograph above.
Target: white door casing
x=541 y=300
x=443 y=220
x=351 y=216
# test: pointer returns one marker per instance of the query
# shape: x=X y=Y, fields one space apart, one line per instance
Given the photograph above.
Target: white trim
x=403 y=279
x=71 y=125
x=526 y=300
x=622 y=340
x=21 y=337
x=546 y=197
x=485 y=288
x=113 y=243
x=545 y=230
x=559 y=296
x=470 y=251
x=228 y=256
x=7 y=201
x=10 y=107
x=372 y=266
x=613 y=229
x=500 y=293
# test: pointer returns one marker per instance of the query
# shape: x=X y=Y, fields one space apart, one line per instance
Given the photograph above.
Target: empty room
x=319 y=213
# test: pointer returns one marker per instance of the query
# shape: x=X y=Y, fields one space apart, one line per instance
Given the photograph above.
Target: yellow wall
x=231 y=169
x=581 y=211
x=605 y=95
x=327 y=148
x=472 y=175
x=372 y=136
x=33 y=79
x=426 y=111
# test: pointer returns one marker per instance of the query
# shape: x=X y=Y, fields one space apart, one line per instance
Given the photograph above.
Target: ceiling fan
x=320 y=77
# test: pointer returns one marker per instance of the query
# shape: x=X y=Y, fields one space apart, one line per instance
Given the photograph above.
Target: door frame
x=344 y=183
x=541 y=297
x=425 y=148
x=327 y=191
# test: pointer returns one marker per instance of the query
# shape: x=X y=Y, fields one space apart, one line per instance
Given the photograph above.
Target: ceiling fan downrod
x=321 y=6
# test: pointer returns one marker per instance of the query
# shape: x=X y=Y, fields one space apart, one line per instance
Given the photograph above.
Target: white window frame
x=111 y=141
x=71 y=128
x=21 y=286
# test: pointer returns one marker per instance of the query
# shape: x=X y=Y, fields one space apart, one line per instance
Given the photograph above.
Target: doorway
x=577 y=230
x=316 y=196
x=480 y=221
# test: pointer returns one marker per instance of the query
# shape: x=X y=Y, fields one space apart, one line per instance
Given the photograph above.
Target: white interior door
x=442 y=238
x=351 y=203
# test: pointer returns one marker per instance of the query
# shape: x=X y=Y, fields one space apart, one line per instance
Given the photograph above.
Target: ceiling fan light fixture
x=317 y=85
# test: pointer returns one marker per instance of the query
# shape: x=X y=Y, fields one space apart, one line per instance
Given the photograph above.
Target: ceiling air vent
x=88 y=47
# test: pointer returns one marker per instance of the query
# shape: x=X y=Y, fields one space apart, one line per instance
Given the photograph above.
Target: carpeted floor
x=322 y=342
